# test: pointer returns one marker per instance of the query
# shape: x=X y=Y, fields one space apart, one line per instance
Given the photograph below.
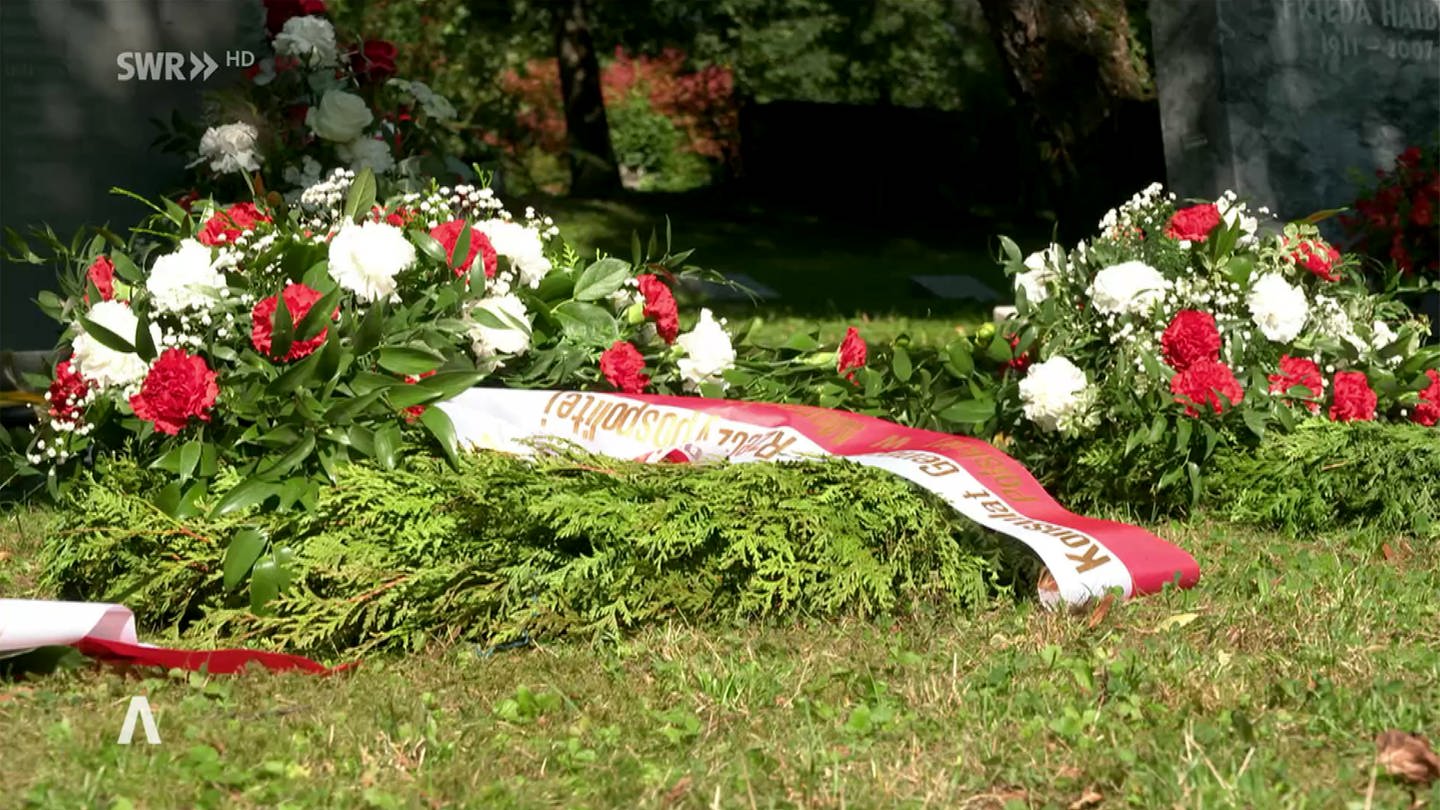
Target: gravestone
x=1284 y=101
x=72 y=124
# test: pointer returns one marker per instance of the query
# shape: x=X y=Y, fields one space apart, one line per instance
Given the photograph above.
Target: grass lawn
x=1262 y=687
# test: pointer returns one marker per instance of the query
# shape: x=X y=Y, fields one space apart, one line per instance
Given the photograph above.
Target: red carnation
x=298 y=299
x=1204 y=383
x=1193 y=224
x=374 y=62
x=1019 y=364
x=623 y=367
x=1318 y=257
x=178 y=386
x=1298 y=372
x=660 y=305
x=1191 y=338
x=1428 y=411
x=1353 y=400
x=101 y=273
x=852 y=354
x=277 y=12
x=227 y=226
x=67 y=394
x=448 y=235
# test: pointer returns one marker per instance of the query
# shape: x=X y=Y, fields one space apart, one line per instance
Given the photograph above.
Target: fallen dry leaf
x=1090 y=798
x=677 y=791
x=1102 y=609
x=1407 y=756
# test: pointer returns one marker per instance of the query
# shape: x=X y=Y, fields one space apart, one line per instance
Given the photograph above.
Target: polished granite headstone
x=71 y=127
x=1287 y=102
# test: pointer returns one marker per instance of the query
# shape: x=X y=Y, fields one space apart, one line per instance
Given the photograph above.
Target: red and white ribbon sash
x=1086 y=556
x=107 y=632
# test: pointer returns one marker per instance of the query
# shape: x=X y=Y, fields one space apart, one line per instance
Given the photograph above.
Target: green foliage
x=505 y=549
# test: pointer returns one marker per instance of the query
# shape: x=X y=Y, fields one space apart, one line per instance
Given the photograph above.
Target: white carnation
x=1127 y=288
x=103 y=365
x=1278 y=308
x=367 y=153
x=1381 y=337
x=1041 y=267
x=366 y=258
x=185 y=279
x=708 y=353
x=230 y=148
x=339 y=117
x=521 y=245
x=488 y=341
x=309 y=39
x=1056 y=395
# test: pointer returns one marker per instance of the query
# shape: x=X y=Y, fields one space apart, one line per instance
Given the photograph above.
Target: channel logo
x=172 y=66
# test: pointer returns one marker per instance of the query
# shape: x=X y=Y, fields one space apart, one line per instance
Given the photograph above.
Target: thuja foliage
x=1377 y=477
x=504 y=549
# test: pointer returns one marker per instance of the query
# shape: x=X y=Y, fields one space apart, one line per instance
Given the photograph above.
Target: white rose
x=365 y=259
x=229 y=148
x=103 y=365
x=1056 y=395
x=1278 y=308
x=708 y=353
x=185 y=279
x=521 y=245
x=487 y=341
x=1127 y=288
x=309 y=39
x=366 y=153
x=1042 y=266
x=339 y=117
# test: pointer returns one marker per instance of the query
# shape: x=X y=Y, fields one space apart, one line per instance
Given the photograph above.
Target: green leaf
x=999 y=349
x=801 y=342
x=361 y=197
x=410 y=360
x=901 y=365
x=318 y=317
x=284 y=332
x=250 y=492
x=372 y=328
x=1255 y=420
x=970 y=411
x=439 y=425
x=387 y=446
x=125 y=268
x=265 y=579
x=601 y=279
x=434 y=389
x=144 y=341
x=245 y=548
x=295 y=376
x=556 y=286
x=1012 y=250
x=342 y=412
x=430 y=247
x=961 y=362
x=587 y=324
x=1193 y=470
x=293 y=458
x=1322 y=215
x=189 y=458
x=105 y=337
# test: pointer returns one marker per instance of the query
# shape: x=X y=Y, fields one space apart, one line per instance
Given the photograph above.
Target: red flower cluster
x=1399 y=219
x=1191 y=338
x=416 y=411
x=853 y=353
x=298 y=300
x=1193 y=224
x=178 y=386
x=1206 y=382
x=1318 y=257
x=67 y=394
x=1428 y=411
x=277 y=12
x=660 y=305
x=1353 y=400
x=624 y=367
x=101 y=273
x=448 y=235
x=1019 y=364
x=226 y=226
x=1298 y=372
x=374 y=61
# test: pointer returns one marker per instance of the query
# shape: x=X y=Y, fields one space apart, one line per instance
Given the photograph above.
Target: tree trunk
x=593 y=171
x=1069 y=62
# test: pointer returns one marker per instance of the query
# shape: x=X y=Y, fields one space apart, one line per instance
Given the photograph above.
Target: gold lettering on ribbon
x=1088 y=559
x=834 y=428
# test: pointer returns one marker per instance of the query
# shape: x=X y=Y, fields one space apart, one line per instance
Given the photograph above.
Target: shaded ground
x=1262 y=687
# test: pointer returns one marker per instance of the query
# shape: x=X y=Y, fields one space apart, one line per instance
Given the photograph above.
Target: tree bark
x=1069 y=61
x=593 y=170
